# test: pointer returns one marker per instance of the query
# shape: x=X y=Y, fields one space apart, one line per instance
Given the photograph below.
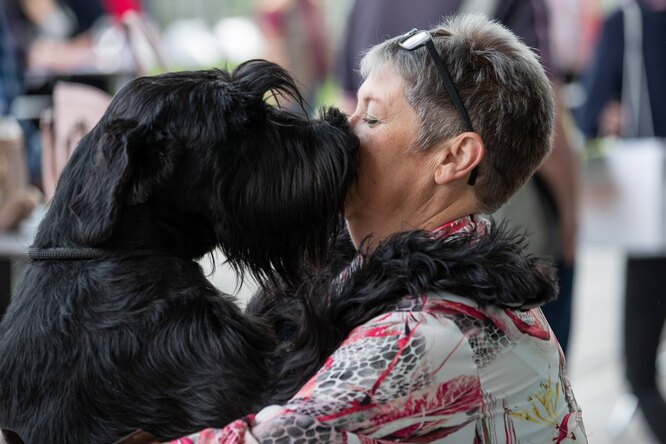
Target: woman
x=439 y=342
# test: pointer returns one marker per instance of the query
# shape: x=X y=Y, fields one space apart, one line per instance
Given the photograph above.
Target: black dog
x=114 y=327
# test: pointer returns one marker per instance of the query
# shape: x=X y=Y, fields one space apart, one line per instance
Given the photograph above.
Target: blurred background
x=597 y=206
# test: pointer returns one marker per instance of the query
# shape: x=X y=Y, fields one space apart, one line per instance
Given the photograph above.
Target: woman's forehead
x=383 y=86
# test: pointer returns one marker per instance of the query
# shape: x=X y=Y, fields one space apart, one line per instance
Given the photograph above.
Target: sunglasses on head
x=415 y=39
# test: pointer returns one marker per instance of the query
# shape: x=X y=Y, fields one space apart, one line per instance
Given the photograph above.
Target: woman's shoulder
x=462 y=311
x=489 y=341
x=488 y=331
x=456 y=312
x=448 y=354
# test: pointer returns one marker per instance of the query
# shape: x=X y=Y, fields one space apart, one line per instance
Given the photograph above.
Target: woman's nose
x=352 y=119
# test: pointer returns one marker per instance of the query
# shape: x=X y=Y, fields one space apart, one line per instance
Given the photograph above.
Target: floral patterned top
x=438 y=368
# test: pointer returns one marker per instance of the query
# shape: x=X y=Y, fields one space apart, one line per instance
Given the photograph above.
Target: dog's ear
x=127 y=163
x=106 y=152
x=154 y=158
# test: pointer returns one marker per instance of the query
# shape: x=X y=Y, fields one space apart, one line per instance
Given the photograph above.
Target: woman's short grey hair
x=503 y=86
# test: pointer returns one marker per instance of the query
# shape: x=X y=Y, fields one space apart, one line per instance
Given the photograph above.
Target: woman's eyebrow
x=375 y=99
x=365 y=95
x=367 y=98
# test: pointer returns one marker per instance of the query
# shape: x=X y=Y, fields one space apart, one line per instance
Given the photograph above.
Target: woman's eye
x=370 y=120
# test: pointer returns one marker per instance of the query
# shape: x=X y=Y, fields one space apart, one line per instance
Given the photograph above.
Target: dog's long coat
x=119 y=329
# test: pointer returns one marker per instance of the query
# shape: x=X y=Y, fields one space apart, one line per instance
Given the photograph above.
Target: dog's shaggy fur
x=490 y=269
x=181 y=163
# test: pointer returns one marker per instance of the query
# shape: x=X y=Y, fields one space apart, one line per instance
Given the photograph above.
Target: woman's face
x=392 y=172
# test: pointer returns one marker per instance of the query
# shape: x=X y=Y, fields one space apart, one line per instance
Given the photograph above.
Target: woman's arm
x=283 y=427
x=401 y=375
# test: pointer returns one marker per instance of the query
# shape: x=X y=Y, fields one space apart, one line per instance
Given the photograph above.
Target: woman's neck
x=378 y=226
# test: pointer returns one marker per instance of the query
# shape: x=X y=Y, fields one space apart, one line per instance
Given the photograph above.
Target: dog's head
x=204 y=159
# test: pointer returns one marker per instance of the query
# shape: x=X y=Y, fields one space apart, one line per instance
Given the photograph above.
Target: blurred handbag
x=623 y=203
x=76 y=110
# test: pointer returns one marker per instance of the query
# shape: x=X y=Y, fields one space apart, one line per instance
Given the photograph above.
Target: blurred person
x=17 y=200
x=626 y=97
x=53 y=40
x=296 y=39
x=432 y=334
x=546 y=206
x=604 y=112
x=56 y=33
x=12 y=85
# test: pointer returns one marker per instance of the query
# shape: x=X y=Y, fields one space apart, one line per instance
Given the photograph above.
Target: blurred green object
x=166 y=11
x=595 y=148
x=327 y=94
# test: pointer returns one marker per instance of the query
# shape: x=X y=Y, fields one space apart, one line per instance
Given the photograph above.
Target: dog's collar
x=64 y=253
x=82 y=253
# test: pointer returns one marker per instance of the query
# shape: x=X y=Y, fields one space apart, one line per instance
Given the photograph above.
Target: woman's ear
x=458 y=157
